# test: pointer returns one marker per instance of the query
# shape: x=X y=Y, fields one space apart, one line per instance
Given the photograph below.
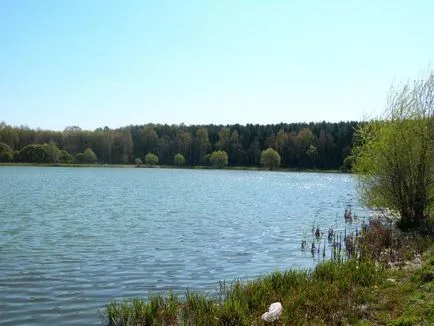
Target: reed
x=366 y=281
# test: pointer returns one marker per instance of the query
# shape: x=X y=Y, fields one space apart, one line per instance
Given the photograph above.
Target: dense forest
x=321 y=145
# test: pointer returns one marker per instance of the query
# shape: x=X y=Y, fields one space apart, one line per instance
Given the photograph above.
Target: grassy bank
x=394 y=289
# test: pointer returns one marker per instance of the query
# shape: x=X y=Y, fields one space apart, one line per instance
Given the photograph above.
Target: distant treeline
x=321 y=145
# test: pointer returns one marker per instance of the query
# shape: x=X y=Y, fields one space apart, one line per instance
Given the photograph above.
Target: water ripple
x=74 y=239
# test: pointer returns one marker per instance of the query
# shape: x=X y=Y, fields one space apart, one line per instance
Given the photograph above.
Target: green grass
x=409 y=300
x=331 y=294
x=334 y=293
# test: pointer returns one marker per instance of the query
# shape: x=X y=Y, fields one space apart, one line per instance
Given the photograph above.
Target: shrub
x=219 y=159
x=179 y=159
x=6 y=153
x=151 y=159
x=270 y=158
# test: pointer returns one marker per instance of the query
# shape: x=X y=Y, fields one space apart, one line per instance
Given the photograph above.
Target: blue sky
x=113 y=63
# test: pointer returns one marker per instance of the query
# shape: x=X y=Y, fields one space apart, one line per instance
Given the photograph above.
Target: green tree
x=305 y=138
x=236 y=154
x=179 y=159
x=6 y=153
x=202 y=141
x=72 y=139
x=183 y=141
x=65 y=157
x=122 y=147
x=37 y=153
x=270 y=158
x=138 y=161
x=224 y=139
x=394 y=159
x=280 y=140
x=52 y=153
x=163 y=151
x=347 y=164
x=150 y=139
x=108 y=137
x=151 y=159
x=8 y=135
x=206 y=160
x=312 y=153
x=242 y=143
x=325 y=149
x=254 y=152
x=219 y=159
x=79 y=158
x=89 y=156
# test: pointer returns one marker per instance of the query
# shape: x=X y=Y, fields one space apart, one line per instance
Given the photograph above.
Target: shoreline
x=382 y=281
x=197 y=167
x=351 y=292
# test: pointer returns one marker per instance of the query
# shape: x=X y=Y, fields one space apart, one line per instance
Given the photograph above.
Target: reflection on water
x=72 y=239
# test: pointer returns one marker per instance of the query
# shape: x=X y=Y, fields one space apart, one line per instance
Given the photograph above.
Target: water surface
x=72 y=239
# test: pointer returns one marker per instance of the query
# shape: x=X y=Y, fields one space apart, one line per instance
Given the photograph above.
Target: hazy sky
x=96 y=63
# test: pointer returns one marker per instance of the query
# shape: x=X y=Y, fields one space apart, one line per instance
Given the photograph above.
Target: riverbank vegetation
x=270 y=158
x=394 y=157
x=321 y=146
x=376 y=275
x=389 y=282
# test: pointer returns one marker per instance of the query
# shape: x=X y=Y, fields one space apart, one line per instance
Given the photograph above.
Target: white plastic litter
x=274 y=312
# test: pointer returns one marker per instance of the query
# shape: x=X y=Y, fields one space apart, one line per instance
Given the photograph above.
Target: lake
x=72 y=239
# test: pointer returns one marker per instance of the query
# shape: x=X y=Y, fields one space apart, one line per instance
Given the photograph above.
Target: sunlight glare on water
x=72 y=239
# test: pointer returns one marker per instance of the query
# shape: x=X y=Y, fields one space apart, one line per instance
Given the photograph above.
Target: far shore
x=186 y=167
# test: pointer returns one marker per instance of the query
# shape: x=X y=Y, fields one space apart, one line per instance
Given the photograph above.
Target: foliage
x=179 y=159
x=347 y=163
x=65 y=157
x=219 y=159
x=395 y=156
x=242 y=143
x=306 y=149
x=206 y=160
x=270 y=158
x=16 y=156
x=407 y=295
x=354 y=292
x=79 y=158
x=45 y=153
x=312 y=153
x=138 y=161
x=6 y=153
x=201 y=144
x=89 y=156
x=151 y=159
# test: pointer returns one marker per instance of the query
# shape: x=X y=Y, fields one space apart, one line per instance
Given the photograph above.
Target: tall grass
x=335 y=292
x=325 y=295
